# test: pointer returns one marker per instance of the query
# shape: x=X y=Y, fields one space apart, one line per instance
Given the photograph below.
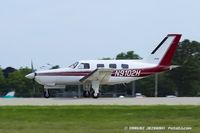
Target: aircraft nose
x=30 y=76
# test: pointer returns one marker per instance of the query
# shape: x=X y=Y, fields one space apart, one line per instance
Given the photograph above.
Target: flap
x=101 y=74
x=54 y=86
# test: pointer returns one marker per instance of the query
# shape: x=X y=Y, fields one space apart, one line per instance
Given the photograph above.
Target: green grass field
x=96 y=119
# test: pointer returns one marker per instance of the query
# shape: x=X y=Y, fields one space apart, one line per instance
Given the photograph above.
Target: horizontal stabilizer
x=174 y=66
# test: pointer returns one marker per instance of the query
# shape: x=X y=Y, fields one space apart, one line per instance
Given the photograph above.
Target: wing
x=100 y=74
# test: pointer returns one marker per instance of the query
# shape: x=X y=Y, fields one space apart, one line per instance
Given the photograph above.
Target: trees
x=16 y=81
x=128 y=55
x=7 y=71
x=2 y=83
x=19 y=83
x=187 y=77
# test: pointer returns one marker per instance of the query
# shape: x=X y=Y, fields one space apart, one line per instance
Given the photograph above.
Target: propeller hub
x=30 y=76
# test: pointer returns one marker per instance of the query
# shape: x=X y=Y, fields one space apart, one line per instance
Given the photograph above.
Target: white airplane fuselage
x=72 y=76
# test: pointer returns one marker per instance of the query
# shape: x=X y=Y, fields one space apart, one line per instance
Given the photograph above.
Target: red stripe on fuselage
x=82 y=73
x=116 y=73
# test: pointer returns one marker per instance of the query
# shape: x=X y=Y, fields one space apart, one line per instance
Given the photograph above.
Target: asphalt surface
x=100 y=101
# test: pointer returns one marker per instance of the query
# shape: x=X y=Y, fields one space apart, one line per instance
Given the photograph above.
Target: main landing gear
x=86 y=93
x=46 y=93
x=90 y=93
x=95 y=89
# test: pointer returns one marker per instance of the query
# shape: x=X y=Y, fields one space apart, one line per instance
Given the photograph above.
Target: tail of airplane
x=162 y=55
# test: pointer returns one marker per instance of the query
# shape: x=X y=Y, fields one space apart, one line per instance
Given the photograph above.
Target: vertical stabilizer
x=164 y=52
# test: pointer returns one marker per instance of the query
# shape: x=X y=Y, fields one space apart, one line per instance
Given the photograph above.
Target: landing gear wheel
x=86 y=93
x=95 y=87
x=46 y=94
x=95 y=95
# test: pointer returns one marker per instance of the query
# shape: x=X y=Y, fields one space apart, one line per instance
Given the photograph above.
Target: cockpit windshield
x=74 y=65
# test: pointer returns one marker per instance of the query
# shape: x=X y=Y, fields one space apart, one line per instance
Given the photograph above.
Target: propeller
x=32 y=76
x=33 y=80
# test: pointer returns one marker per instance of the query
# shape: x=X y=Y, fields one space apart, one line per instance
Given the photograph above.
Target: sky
x=61 y=32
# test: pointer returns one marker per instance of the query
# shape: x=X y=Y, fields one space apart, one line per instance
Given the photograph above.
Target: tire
x=95 y=96
x=86 y=94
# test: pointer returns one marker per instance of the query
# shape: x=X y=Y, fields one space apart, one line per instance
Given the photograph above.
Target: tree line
x=182 y=81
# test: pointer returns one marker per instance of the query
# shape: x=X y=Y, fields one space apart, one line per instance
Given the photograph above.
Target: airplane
x=10 y=94
x=93 y=73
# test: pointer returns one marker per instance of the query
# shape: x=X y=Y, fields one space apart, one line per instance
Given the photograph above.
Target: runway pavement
x=100 y=101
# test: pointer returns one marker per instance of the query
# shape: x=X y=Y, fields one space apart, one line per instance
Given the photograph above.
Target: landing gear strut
x=95 y=89
x=46 y=93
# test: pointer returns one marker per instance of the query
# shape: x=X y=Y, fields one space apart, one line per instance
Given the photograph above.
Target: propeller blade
x=32 y=68
x=33 y=81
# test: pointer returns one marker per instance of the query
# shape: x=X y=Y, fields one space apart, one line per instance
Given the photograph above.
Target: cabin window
x=84 y=66
x=124 y=66
x=112 y=66
x=100 y=65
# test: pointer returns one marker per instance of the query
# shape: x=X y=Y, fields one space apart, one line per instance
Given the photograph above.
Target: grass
x=96 y=119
